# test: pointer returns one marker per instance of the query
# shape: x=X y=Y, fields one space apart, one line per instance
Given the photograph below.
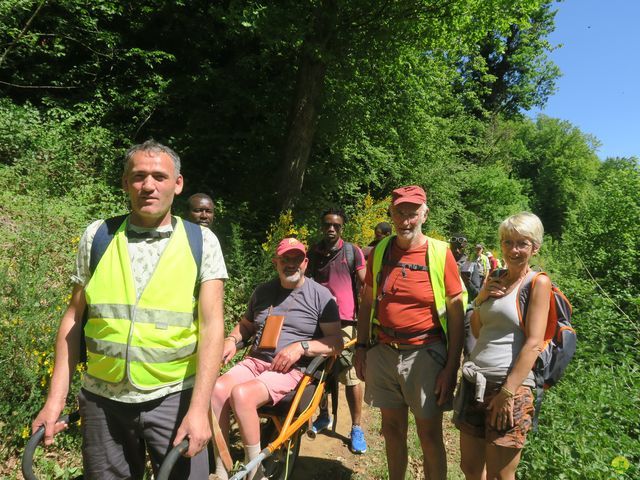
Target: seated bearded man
x=311 y=327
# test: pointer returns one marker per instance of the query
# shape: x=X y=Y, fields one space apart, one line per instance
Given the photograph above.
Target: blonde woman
x=494 y=408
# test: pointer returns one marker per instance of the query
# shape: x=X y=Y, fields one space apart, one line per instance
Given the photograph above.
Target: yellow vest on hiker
x=153 y=339
x=436 y=258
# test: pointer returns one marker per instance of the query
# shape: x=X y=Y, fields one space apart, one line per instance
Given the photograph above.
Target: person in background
x=410 y=334
x=469 y=272
x=340 y=266
x=200 y=209
x=153 y=350
x=484 y=267
x=383 y=229
x=493 y=261
x=494 y=420
x=458 y=245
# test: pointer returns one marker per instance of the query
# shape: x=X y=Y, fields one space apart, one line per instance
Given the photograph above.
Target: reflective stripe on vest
x=436 y=258
x=153 y=339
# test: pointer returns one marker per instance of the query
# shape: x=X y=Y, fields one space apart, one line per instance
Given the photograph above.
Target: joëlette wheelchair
x=282 y=425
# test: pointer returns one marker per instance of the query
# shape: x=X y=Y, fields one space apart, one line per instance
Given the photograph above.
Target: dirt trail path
x=328 y=456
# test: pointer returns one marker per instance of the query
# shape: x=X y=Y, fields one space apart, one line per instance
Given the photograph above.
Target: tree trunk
x=312 y=68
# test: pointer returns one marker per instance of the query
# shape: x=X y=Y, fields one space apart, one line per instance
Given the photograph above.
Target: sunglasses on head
x=459 y=240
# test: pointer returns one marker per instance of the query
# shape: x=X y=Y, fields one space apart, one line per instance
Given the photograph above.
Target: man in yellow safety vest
x=153 y=295
x=410 y=332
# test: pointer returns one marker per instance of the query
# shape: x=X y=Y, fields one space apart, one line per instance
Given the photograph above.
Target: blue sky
x=599 y=91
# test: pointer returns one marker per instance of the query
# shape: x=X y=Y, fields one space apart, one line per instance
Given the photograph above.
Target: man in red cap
x=293 y=319
x=410 y=333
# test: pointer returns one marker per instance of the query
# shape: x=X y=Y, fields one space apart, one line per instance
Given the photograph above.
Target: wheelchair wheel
x=279 y=465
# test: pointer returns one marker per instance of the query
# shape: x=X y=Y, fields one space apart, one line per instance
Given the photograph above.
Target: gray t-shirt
x=304 y=309
x=144 y=254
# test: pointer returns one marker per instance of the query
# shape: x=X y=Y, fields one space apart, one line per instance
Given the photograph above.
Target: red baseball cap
x=288 y=244
x=410 y=194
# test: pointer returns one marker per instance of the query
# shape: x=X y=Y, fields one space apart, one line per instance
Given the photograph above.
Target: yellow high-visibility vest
x=153 y=339
x=436 y=258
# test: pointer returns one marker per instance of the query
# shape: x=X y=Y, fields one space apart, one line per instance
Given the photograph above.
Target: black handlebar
x=34 y=440
x=171 y=459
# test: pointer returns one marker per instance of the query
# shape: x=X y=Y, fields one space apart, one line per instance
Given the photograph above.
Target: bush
x=368 y=213
x=39 y=238
x=588 y=420
x=55 y=153
x=591 y=420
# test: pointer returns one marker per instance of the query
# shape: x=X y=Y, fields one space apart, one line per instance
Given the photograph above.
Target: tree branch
x=35 y=87
x=21 y=34
x=73 y=39
x=135 y=135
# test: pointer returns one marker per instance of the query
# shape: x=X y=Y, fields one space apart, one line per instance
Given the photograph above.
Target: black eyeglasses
x=459 y=240
x=328 y=225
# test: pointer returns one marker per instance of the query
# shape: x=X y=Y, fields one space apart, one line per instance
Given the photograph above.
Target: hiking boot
x=322 y=423
x=358 y=443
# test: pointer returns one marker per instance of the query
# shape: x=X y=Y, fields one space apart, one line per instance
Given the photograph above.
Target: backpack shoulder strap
x=524 y=293
x=102 y=239
x=350 y=253
x=311 y=266
x=380 y=255
x=383 y=250
x=194 y=236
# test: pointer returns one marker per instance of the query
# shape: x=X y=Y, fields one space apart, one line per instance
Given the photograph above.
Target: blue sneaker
x=323 y=422
x=358 y=443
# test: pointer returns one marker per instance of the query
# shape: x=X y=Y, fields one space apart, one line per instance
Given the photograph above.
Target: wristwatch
x=305 y=346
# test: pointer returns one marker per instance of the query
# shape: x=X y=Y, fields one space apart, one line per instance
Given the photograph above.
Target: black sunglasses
x=328 y=225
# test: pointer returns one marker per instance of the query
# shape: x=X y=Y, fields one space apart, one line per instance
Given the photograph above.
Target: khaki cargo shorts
x=348 y=376
x=405 y=378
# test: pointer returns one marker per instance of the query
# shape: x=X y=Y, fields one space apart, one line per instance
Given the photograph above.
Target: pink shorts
x=278 y=384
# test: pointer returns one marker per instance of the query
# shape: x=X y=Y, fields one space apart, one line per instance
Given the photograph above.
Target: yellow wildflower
x=620 y=464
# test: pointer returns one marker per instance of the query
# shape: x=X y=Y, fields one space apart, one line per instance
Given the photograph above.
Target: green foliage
x=593 y=415
x=54 y=468
x=52 y=170
x=53 y=153
x=40 y=235
x=560 y=164
x=604 y=233
x=586 y=421
x=420 y=91
x=216 y=81
x=246 y=270
x=367 y=214
x=484 y=197
x=509 y=71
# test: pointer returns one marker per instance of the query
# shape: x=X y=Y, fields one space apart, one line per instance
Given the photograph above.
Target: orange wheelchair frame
x=281 y=431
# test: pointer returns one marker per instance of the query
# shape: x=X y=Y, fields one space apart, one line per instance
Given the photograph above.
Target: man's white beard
x=293 y=278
